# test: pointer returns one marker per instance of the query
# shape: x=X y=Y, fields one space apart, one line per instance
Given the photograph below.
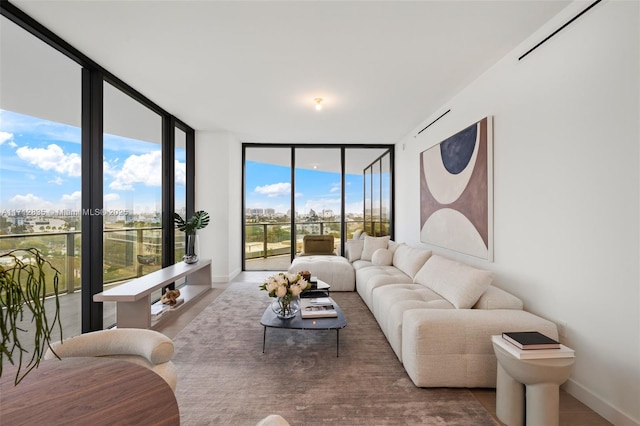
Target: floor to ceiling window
x=267 y=208
x=180 y=188
x=77 y=143
x=132 y=193
x=318 y=196
x=40 y=144
x=359 y=188
x=377 y=200
x=329 y=191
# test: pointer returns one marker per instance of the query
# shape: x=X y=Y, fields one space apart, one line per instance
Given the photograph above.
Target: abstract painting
x=456 y=192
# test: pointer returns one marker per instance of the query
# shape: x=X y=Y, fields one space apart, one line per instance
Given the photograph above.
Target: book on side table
x=530 y=340
x=317 y=307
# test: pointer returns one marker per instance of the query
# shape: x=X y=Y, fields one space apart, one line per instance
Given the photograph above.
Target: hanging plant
x=23 y=291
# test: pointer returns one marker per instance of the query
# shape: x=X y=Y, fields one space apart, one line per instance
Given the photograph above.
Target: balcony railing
x=128 y=253
x=269 y=239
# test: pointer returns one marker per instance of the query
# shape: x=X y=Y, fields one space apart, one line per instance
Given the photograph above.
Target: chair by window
x=315 y=245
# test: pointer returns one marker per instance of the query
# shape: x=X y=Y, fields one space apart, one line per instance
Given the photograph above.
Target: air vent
x=428 y=125
x=559 y=29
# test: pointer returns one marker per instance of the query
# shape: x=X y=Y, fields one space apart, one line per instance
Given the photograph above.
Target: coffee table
x=321 y=289
x=271 y=320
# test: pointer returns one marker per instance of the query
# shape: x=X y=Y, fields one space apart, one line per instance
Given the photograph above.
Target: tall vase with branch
x=24 y=274
x=199 y=220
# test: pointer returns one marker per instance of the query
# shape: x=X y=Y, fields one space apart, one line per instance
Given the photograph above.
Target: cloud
x=6 y=137
x=57 y=181
x=335 y=187
x=145 y=168
x=181 y=173
x=29 y=201
x=111 y=197
x=73 y=197
x=274 y=190
x=51 y=158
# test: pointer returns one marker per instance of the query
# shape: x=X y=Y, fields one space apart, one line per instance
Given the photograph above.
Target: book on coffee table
x=318 y=307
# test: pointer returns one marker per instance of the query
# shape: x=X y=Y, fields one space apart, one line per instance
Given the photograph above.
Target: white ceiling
x=254 y=67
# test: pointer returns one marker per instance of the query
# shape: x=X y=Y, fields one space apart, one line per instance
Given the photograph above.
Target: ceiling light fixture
x=318 y=102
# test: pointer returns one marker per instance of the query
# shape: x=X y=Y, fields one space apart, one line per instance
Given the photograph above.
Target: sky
x=269 y=186
x=40 y=168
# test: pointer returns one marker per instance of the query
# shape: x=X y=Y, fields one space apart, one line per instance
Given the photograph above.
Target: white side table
x=528 y=383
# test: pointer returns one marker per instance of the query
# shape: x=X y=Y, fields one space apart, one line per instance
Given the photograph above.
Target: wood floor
x=572 y=411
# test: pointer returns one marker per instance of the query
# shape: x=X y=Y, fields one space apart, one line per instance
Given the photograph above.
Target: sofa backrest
x=460 y=284
x=496 y=298
x=410 y=259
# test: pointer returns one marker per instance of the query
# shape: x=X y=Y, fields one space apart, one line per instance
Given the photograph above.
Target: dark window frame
x=390 y=151
x=93 y=77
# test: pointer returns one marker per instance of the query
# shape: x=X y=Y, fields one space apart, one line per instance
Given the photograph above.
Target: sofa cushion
x=410 y=259
x=393 y=246
x=372 y=244
x=460 y=284
x=391 y=301
x=372 y=277
x=353 y=250
x=382 y=257
x=359 y=264
x=496 y=298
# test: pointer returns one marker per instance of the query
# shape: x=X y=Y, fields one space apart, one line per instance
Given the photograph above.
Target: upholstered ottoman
x=334 y=270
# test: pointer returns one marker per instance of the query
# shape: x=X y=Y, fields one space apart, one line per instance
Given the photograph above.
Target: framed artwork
x=456 y=192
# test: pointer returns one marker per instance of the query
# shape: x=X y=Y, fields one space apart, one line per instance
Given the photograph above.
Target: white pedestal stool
x=528 y=390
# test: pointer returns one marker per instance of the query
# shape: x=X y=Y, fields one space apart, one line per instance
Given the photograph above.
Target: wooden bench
x=133 y=298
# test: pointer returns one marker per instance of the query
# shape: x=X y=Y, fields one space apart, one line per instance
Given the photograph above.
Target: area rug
x=225 y=379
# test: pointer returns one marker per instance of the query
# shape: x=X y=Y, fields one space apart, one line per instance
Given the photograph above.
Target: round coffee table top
x=88 y=391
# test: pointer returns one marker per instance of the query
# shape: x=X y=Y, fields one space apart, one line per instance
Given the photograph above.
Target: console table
x=87 y=391
x=133 y=298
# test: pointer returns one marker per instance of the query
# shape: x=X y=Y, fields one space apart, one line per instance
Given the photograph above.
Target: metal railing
x=128 y=253
x=268 y=239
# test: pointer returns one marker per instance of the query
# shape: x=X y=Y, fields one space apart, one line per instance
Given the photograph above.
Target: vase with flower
x=286 y=288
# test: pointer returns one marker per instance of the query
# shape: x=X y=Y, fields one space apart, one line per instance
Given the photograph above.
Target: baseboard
x=226 y=278
x=597 y=404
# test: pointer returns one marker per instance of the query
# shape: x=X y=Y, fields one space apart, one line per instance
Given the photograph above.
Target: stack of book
x=532 y=345
x=318 y=307
x=530 y=340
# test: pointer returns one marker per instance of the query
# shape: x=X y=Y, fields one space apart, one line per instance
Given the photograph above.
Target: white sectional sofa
x=437 y=314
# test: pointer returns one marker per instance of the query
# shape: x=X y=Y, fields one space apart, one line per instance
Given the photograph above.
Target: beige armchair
x=148 y=348
x=315 y=245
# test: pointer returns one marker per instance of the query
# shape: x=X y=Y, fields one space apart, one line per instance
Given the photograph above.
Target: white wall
x=566 y=191
x=218 y=183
